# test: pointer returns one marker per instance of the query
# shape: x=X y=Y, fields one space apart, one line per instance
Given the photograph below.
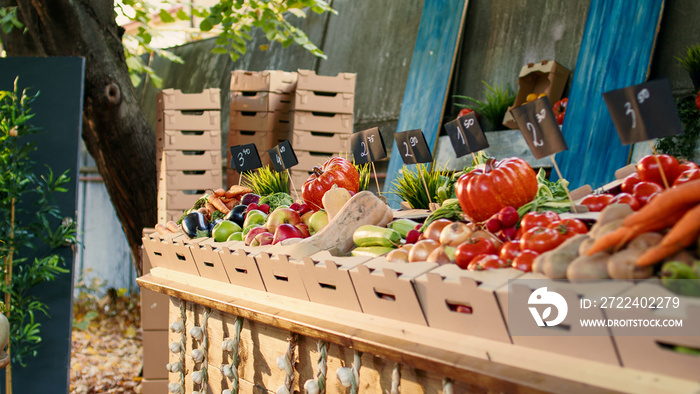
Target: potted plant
x=691 y=63
x=491 y=111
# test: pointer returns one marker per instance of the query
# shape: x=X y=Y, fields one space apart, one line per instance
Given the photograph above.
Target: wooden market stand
x=414 y=357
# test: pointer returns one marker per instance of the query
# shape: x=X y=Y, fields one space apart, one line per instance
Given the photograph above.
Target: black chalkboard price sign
x=539 y=126
x=245 y=157
x=412 y=147
x=643 y=112
x=367 y=146
x=466 y=135
x=283 y=156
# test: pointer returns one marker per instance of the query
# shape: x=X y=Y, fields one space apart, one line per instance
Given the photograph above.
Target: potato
x=599 y=230
x=555 y=262
x=645 y=241
x=613 y=212
x=623 y=265
x=589 y=267
x=585 y=245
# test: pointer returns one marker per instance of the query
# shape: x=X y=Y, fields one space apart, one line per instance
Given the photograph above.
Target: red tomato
x=648 y=168
x=643 y=191
x=541 y=239
x=687 y=165
x=472 y=248
x=626 y=198
x=559 y=109
x=686 y=176
x=537 y=219
x=596 y=202
x=510 y=250
x=524 y=261
x=464 y=111
x=485 y=262
x=483 y=192
x=628 y=183
x=569 y=227
x=697 y=101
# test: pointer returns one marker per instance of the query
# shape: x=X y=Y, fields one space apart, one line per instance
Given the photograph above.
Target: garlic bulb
x=284 y=365
x=198 y=355
x=282 y=390
x=227 y=391
x=175 y=347
x=197 y=333
x=345 y=376
x=173 y=367
x=197 y=377
x=228 y=345
x=227 y=371
x=177 y=327
x=175 y=388
x=311 y=386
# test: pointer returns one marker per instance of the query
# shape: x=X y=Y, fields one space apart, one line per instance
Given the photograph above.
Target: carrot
x=682 y=235
x=162 y=229
x=624 y=234
x=217 y=203
x=671 y=200
x=229 y=194
x=172 y=226
x=219 y=192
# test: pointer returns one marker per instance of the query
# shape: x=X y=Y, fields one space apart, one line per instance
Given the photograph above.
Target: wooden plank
x=475 y=361
x=429 y=76
x=616 y=52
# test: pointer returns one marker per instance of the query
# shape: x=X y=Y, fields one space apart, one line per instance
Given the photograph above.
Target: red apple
x=295 y=206
x=264 y=207
x=252 y=233
x=303 y=208
x=261 y=239
x=508 y=216
x=303 y=228
x=251 y=207
x=284 y=231
x=281 y=216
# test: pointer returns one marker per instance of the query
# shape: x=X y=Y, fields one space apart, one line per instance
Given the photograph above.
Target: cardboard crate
x=240 y=265
x=565 y=338
x=341 y=83
x=189 y=159
x=547 y=77
x=443 y=289
x=655 y=353
x=190 y=180
x=188 y=140
x=154 y=310
x=260 y=121
x=323 y=121
x=171 y=251
x=263 y=140
x=263 y=81
x=189 y=120
x=178 y=200
x=280 y=275
x=323 y=141
x=310 y=159
x=155 y=354
x=298 y=178
x=208 y=260
x=261 y=101
x=385 y=289
x=174 y=99
x=157 y=248
x=311 y=100
x=154 y=386
x=327 y=279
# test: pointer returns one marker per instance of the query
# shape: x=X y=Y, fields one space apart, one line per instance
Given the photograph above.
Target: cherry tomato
x=464 y=111
x=541 y=239
x=626 y=198
x=485 y=262
x=524 y=261
x=510 y=250
x=648 y=168
x=472 y=248
x=537 y=219
x=643 y=191
x=569 y=227
x=596 y=202
x=687 y=165
x=628 y=183
x=463 y=309
x=686 y=176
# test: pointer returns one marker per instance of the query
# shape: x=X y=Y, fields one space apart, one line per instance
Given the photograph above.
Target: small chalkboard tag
x=367 y=146
x=412 y=147
x=283 y=156
x=539 y=126
x=466 y=135
x=643 y=112
x=245 y=158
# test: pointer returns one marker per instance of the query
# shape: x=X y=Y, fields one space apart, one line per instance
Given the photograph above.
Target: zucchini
x=371 y=235
x=403 y=226
x=371 y=251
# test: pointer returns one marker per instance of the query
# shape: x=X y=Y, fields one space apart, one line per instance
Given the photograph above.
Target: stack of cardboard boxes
x=260 y=112
x=323 y=120
x=188 y=149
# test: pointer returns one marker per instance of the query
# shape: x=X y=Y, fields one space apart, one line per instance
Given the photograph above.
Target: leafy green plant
x=266 y=181
x=498 y=99
x=683 y=145
x=31 y=224
x=365 y=171
x=691 y=60
x=409 y=185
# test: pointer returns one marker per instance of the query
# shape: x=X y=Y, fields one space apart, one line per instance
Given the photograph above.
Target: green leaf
x=182 y=15
x=219 y=50
x=165 y=16
x=297 y=12
x=205 y=25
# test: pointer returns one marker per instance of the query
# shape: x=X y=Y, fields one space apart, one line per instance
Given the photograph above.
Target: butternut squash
x=334 y=199
x=363 y=208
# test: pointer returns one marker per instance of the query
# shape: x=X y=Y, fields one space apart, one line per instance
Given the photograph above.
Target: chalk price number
x=413 y=147
x=245 y=157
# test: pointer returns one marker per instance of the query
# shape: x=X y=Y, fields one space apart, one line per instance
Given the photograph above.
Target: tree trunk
x=115 y=130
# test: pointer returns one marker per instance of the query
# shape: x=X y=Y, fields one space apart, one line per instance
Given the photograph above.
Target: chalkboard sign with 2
x=539 y=126
x=367 y=146
x=245 y=157
x=283 y=156
x=412 y=147
x=466 y=135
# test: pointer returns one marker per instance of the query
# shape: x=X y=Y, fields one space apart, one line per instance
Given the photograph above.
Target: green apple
x=254 y=217
x=237 y=236
x=246 y=230
x=317 y=221
x=224 y=229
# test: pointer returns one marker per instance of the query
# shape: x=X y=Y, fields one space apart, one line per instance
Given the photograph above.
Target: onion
x=442 y=255
x=397 y=256
x=455 y=234
x=422 y=249
x=494 y=239
x=435 y=228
